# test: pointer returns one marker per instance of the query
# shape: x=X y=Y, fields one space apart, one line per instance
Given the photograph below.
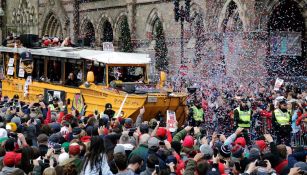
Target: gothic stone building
x=246 y=39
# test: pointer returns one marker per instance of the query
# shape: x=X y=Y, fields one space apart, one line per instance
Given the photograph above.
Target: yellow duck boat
x=121 y=79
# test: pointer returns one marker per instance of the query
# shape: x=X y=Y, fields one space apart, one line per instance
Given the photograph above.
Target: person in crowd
x=54 y=106
x=282 y=123
x=108 y=110
x=243 y=117
x=196 y=114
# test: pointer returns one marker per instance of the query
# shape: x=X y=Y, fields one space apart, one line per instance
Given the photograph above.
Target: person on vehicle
x=71 y=81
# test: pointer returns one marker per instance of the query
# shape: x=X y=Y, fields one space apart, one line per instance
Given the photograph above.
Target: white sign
x=278 y=84
x=108 y=46
x=21 y=73
x=11 y=62
x=183 y=70
x=171 y=120
x=10 y=71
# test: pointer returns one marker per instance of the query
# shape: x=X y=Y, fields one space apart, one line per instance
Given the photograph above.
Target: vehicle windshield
x=127 y=74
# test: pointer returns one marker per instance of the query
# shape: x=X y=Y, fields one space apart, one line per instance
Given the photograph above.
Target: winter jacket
x=180 y=136
x=192 y=167
x=268 y=116
x=296 y=157
x=103 y=168
x=128 y=172
x=141 y=151
x=148 y=171
x=7 y=170
x=295 y=128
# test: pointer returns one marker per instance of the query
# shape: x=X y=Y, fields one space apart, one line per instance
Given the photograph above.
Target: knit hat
x=16 y=120
x=11 y=126
x=188 y=141
x=9 y=159
x=63 y=157
x=161 y=133
x=254 y=154
x=108 y=105
x=85 y=139
x=74 y=149
x=224 y=151
x=241 y=141
x=119 y=149
x=42 y=138
x=124 y=139
x=261 y=144
x=144 y=128
x=206 y=150
x=3 y=133
x=65 y=145
x=128 y=122
x=237 y=151
x=152 y=123
x=153 y=142
x=302 y=166
x=55 y=138
x=76 y=131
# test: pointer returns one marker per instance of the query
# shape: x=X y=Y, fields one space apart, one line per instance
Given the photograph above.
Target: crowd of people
x=226 y=132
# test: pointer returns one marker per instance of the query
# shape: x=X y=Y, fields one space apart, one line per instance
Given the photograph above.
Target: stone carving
x=24 y=14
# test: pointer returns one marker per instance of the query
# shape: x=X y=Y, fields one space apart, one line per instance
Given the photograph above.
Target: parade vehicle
x=121 y=79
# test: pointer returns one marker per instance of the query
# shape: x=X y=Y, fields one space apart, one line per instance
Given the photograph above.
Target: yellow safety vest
x=198 y=114
x=282 y=118
x=244 y=116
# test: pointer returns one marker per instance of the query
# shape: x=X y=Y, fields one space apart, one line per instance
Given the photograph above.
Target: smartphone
x=215 y=152
x=157 y=169
x=17 y=109
x=11 y=108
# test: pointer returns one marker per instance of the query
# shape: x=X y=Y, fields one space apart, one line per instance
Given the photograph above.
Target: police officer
x=196 y=114
x=108 y=110
x=243 y=118
x=54 y=105
x=281 y=119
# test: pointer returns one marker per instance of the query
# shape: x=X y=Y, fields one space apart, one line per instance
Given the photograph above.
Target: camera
x=157 y=169
x=131 y=131
x=12 y=135
x=57 y=151
x=261 y=163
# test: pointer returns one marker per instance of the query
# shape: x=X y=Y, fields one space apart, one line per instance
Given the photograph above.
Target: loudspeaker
x=29 y=40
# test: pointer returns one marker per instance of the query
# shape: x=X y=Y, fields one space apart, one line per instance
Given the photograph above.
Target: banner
x=78 y=103
x=171 y=120
x=278 y=84
x=286 y=43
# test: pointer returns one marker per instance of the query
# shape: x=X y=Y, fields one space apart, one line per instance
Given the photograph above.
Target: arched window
x=107 y=31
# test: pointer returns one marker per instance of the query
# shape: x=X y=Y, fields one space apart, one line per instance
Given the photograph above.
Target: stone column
x=131 y=18
x=1 y=22
x=76 y=20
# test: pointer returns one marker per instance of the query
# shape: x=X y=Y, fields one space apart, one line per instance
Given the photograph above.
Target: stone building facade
x=229 y=36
